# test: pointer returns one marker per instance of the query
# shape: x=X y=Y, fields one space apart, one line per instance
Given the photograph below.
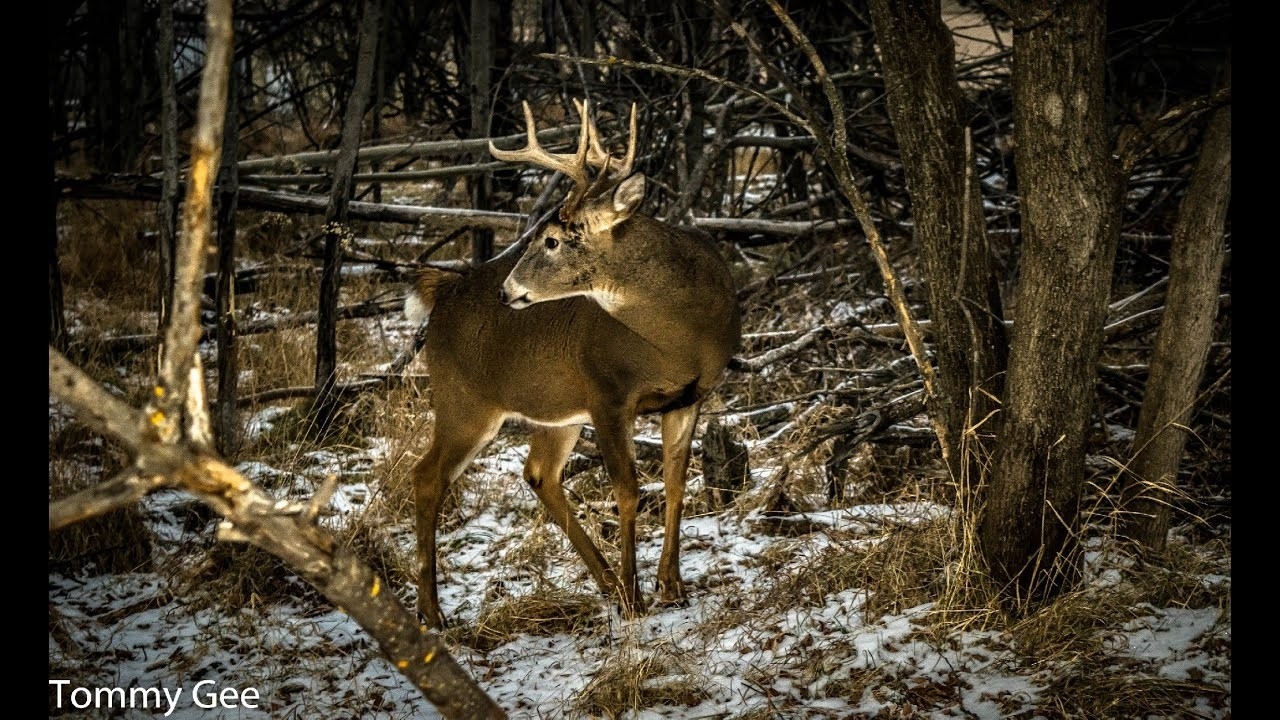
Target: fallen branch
x=123 y=187
x=123 y=344
x=381 y=177
x=137 y=187
x=433 y=148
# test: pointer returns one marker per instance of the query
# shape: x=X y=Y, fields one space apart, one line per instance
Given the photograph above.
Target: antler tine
x=599 y=157
x=573 y=165
x=630 y=159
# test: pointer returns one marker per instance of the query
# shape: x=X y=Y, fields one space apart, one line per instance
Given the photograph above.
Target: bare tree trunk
x=1182 y=343
x=132 y=81
x=167 y=211
x=227 y=419
x=1070 y=196
x=336 y=231
x=927 y=110
x=103 y=88
x=480 y=61
x=379 y=99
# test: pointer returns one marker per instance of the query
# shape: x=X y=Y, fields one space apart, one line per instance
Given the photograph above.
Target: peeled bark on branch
x=286 y=529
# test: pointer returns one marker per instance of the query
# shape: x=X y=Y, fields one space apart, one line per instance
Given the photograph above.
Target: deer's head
x=573 y=252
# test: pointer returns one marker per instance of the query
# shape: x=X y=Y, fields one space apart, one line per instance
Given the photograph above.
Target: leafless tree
x=172 y=446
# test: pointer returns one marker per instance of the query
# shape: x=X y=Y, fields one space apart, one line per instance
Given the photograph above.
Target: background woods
x=983 y=260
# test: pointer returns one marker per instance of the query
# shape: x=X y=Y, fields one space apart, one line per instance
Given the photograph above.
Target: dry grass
x=640 y=677
x=105 y=251
x=1101 y=690
x=381 y=550
x=116 y=542
x=401 y=416
x=234 y=576
x=548 y=612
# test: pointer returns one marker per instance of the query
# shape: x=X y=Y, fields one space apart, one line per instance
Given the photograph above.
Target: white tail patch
x=415 y=309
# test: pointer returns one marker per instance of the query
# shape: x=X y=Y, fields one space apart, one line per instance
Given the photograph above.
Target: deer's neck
x=672 y=290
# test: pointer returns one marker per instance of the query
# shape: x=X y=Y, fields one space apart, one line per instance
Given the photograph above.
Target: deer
x=597 y=314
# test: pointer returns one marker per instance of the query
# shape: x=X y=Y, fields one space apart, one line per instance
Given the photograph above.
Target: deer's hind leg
x=549 y=450
x=459 y=434
x=677 y=438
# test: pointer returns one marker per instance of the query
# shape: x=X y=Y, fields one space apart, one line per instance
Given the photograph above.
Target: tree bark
x=167 y=210
x=336 y=231
x=1182 y=342
x=927 y=111
x=227 y=418
x=480 y=60
x=1070 y=204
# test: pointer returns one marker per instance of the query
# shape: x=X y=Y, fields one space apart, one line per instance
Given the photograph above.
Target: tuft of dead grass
x=548 y=612
x=1095 y=687
x=234 y=576
x=901 y=568
x=640 y=677
x=119 y=541
x=371 y=541
x=106 y=249
x=115 y=542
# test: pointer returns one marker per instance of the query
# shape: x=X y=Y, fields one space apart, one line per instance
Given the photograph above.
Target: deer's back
x=548 y=362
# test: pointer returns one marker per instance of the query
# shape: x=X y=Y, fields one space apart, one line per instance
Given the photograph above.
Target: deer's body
x=601 y=316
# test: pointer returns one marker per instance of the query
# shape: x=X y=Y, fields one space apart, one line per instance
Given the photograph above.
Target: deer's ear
x=627 y=197
x=606 y=211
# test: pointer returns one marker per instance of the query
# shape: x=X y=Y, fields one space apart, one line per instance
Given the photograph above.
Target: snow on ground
x=141 y=631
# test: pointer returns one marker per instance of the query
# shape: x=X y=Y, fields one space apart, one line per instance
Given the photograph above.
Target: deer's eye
x=551 y=243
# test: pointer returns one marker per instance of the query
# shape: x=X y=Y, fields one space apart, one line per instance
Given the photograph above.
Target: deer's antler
x=590 y=154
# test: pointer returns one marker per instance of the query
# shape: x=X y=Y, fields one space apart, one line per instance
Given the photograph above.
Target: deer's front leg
x=453 y=445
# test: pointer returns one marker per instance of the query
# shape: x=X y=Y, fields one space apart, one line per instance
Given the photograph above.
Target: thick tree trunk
x=226 y=418
x=114 y=90
x=102 y=92
x=1070 y=203
x=926 y=107
x=1182 y=343
x=336 y=230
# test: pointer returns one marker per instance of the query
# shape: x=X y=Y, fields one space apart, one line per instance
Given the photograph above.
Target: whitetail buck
x=605 y=315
